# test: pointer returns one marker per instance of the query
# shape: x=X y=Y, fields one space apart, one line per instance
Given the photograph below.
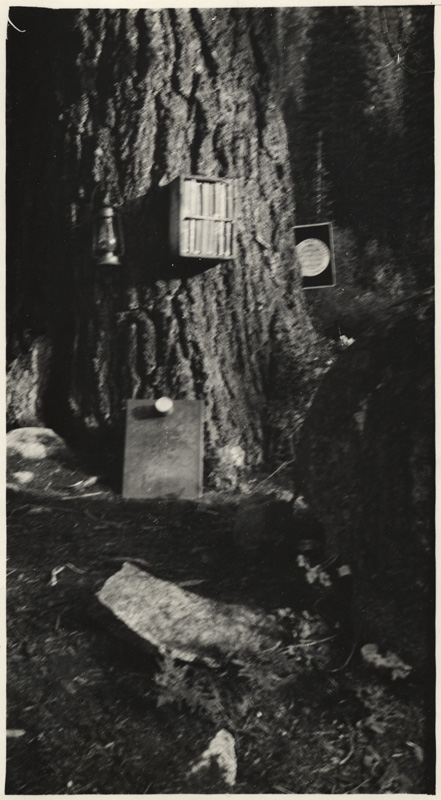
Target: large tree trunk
x=131 y=99
x=368 y=468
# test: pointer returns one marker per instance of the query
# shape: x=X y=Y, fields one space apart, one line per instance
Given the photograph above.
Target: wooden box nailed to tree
x=202 y=218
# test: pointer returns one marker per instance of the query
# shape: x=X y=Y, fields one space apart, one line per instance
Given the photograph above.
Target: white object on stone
x=222 y=750
x=164 y=405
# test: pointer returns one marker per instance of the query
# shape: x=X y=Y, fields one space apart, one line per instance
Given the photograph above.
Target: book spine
x=227 y=245
x=198 y=241
x=192 y=236
x=186 y=198
x=205 y=223
x=229 y=203
x=222 y=200
x=212 y=238
x=213 y=199
x=206 y=187
x=185 y=236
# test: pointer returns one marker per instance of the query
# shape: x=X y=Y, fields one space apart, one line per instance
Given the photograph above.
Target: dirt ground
x=91 y=712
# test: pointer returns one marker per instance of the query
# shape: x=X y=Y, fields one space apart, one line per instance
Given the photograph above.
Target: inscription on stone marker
x=163 y=453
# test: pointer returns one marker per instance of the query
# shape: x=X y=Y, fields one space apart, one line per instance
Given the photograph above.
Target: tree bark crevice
x=207 y=50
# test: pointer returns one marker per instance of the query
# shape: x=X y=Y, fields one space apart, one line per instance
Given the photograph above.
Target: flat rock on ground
x=182 y=624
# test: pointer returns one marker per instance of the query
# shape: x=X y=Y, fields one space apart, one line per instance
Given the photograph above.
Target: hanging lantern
x=107 y=243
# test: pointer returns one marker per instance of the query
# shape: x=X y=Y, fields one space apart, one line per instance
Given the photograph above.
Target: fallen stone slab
x=184 y=625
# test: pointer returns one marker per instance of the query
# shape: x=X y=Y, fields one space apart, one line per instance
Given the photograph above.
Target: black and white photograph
x=220 y=399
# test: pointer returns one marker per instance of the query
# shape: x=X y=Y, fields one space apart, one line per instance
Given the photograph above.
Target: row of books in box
x=207 y=198
x=209 y=237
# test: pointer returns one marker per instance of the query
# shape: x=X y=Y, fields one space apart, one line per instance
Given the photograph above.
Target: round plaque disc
x=314 y=256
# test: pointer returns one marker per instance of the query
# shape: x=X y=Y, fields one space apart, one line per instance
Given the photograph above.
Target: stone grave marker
x=163 y=448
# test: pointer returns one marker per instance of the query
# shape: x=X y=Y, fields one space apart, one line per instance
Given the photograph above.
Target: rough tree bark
x=129 y=100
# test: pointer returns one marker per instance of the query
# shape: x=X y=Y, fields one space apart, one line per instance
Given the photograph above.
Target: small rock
x=231 y=461
x=419 y=752
x=300 y=504
x=389 y=662
x=222 y=751
x=35 y=443
x=26 y=383
x=40 y=460
x=23 y=476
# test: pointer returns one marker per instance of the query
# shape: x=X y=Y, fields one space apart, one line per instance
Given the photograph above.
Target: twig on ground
x=103 y=521
x=352 y=791
x=307 y=643
x=57 y=570
x=12 y=511
x=75 y=569
x=282 y=466
x=351 y=751
x=51 y=507
x=345 y=663
x=205 y=510
x=194 y=582
x=78 y=496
